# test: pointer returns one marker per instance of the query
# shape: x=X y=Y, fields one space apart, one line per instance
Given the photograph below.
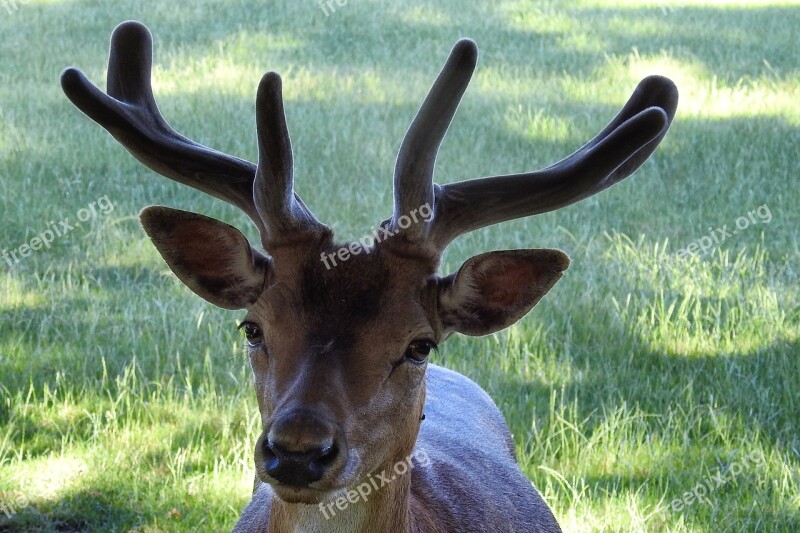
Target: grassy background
x=125 y=401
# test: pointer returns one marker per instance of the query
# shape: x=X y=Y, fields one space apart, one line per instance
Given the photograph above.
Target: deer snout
x=299 y=449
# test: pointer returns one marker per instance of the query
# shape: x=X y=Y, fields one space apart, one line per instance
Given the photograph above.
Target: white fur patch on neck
x=311 y=519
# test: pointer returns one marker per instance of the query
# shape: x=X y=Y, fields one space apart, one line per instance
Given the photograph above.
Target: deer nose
x=299 y=449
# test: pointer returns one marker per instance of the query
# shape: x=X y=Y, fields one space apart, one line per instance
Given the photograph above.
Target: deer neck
x=387 y=508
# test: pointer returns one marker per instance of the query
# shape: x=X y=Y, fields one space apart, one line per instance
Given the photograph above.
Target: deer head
x=338 y=347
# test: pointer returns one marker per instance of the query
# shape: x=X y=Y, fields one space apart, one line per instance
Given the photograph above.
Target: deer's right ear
x=491 y=291
x=210 y=257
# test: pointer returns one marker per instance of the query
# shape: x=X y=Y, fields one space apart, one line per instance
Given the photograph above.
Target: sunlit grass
x=705 y=96
x=74 y=446
x=15 y=295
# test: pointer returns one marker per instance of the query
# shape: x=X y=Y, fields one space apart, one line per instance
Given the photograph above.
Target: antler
x=458 y=208
x=413 y=171
x=130 y=114
x=285 y=215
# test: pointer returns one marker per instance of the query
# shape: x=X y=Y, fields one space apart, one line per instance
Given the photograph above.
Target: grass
x=125 y=401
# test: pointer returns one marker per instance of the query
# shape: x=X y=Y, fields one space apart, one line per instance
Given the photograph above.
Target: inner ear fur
x=494 y=290
x=210 y=257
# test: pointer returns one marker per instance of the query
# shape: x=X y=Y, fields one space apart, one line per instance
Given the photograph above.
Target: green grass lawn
x=645 y=378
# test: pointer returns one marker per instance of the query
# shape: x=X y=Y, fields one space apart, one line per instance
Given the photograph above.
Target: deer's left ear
x=491 y=291
x=210 y=257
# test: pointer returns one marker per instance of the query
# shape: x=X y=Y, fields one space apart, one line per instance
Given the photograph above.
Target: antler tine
x=284 y=214
x=413 y=172
x=611 y=156
x=130 y=114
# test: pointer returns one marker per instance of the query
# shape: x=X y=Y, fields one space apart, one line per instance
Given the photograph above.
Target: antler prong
x=284 y=215
x=413 y=172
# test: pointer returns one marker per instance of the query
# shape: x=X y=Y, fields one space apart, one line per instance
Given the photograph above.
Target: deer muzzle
x=299 y=449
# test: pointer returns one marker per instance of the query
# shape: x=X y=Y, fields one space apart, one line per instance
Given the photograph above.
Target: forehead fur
x=335 y=299
x=352 y=289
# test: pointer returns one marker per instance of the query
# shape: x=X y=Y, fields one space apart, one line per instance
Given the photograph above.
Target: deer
x=340 y=354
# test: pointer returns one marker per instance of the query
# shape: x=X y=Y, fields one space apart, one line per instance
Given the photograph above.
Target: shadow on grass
x=94 y=509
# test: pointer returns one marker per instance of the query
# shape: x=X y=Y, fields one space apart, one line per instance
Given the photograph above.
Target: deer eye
x=418 y=351
x=252 y=333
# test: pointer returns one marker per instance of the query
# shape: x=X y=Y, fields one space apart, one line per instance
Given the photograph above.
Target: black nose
x=299 y=449
x=298 y=468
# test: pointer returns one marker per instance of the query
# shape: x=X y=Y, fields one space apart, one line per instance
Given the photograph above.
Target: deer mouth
x=305 y=495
